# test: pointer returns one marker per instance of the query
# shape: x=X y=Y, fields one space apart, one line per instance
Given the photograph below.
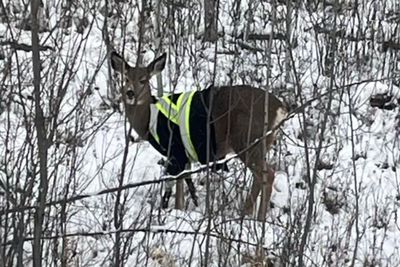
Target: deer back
x=239 y=116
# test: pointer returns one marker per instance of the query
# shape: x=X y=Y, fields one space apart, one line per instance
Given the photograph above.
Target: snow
x=361 y=190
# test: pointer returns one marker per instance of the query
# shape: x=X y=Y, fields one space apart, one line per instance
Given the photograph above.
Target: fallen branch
x=153 y=230
x=24 y=47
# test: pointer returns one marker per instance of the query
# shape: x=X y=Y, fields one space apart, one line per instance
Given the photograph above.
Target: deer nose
x=130 y=94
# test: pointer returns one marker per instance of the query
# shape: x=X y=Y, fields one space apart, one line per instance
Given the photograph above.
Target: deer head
x=136 y=89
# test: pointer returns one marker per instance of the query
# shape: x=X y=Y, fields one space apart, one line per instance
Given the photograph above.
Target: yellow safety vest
x=179 y=114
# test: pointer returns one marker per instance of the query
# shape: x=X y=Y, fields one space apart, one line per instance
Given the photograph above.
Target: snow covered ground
x=353 y=165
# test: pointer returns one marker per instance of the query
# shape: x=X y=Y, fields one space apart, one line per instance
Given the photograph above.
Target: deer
x=238 y=115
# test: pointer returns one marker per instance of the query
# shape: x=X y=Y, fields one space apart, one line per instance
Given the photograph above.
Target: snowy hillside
x=337 y=188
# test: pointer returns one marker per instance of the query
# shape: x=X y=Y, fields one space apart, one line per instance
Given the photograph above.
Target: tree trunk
x=42 y=141
x=210 y=21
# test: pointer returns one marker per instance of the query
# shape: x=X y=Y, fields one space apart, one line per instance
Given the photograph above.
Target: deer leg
x=254 y=192
x=175 y=167
x=167 y=194
x=179 y=203
x=179 y=188
x=263 y=179
x=192 y=191
x=254 y=161
x=191 y=187
x=179 y=198
x=267 y=183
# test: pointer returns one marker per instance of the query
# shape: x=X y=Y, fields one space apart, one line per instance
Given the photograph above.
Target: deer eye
x=143 y=80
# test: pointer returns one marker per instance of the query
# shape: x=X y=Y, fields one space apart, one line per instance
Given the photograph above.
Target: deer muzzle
x=130 y=94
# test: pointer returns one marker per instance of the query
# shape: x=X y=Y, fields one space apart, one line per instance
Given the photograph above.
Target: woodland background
x=72 y=184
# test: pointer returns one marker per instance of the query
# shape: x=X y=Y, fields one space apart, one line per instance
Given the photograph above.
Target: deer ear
x=117 y=62
x=157 y=65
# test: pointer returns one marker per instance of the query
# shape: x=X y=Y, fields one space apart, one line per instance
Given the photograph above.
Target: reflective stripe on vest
x=168 y=108
x=184 y=103
x=178 y=114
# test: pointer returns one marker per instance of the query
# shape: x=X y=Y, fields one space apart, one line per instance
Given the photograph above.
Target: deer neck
x=138 y=117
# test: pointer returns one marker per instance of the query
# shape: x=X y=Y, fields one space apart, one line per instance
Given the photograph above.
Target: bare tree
x=42 y=141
